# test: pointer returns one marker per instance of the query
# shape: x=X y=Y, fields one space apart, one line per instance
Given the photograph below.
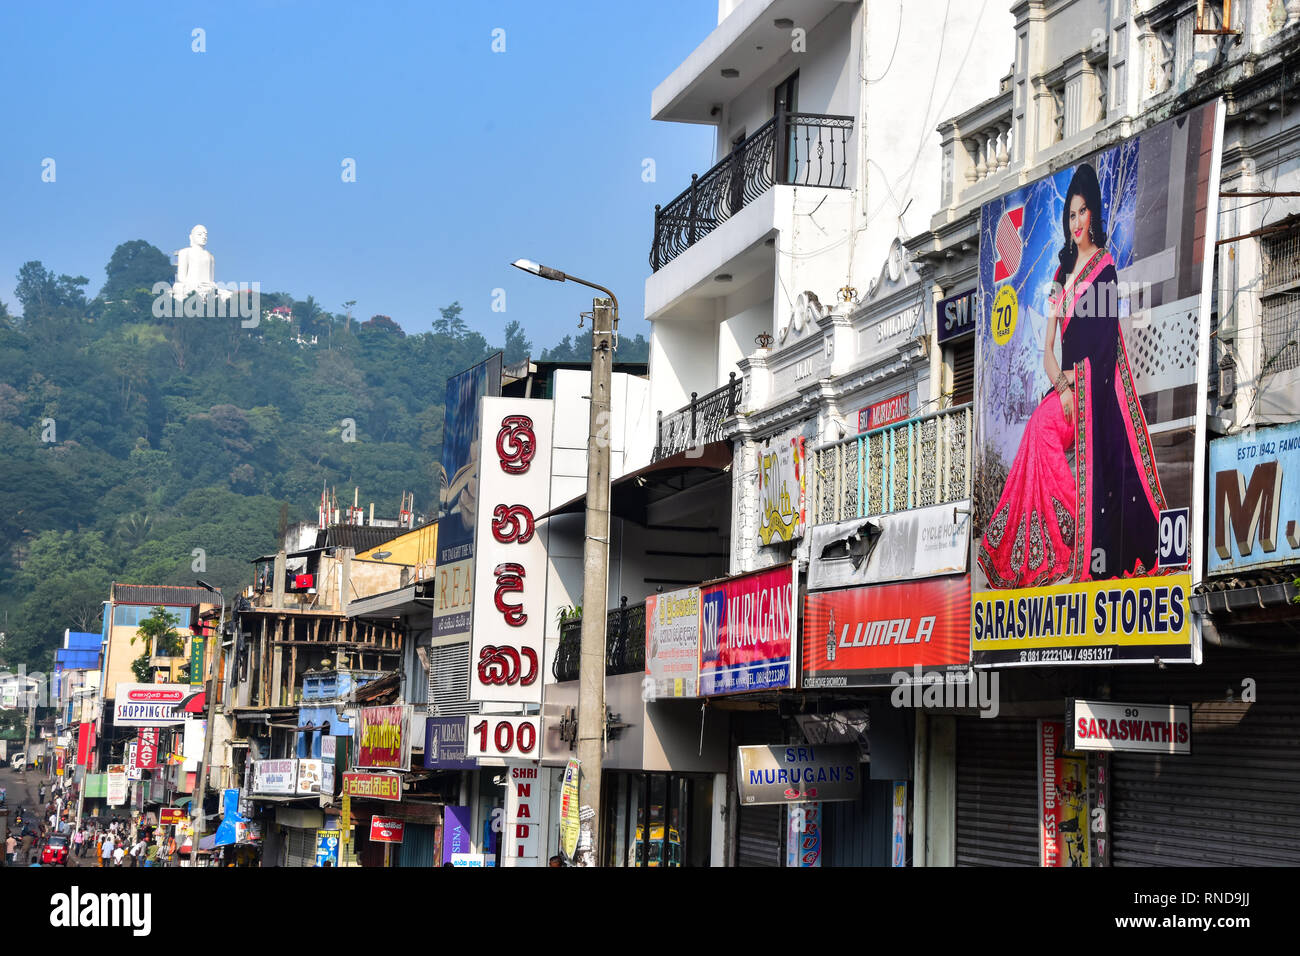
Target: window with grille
x=1280 y=299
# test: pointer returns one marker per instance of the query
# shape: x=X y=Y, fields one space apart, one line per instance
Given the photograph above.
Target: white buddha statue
x=196 y=268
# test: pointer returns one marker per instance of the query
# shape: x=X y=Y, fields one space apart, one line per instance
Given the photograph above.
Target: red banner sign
x=384 y=738
x=146 y=749
x=891 y=410
x=747 y=626
x=85 y=743
x=384 y=830
x=375 y=786
x=171 y=816
x=862 y=637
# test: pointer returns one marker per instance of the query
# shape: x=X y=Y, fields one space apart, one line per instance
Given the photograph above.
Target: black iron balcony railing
x=624 y=643
x=698 y=423
x=793 y=149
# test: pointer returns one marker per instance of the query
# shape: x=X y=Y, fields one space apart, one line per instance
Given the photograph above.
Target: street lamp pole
x=209 y=730
x=595 y=551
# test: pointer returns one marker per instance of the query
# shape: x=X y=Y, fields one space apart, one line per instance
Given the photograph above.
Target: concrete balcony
x=747 y=43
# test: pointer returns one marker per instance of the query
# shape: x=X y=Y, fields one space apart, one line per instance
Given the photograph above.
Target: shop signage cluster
x=372 y=786
x=747 y=632
x=1255 y=499
x=781 y=488
x=149 y=705
x=785 y=775
x=384 y=737
x=510 y=572
x=864 y=637
x=1088 y=527
x=672 y=639
x=1139 y=728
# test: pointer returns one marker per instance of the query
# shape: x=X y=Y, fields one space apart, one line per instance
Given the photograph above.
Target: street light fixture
x=595 y=551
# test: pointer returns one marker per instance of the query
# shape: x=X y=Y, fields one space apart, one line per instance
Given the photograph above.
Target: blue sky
x=465 y=158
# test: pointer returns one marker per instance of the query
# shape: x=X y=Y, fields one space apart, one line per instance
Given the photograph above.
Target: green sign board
x=196 y=661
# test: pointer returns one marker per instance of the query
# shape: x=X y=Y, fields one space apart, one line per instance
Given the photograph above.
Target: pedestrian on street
x=118 y=854
x=11 y=850
x=151 y=854
x=106 y=851
x=78 y=843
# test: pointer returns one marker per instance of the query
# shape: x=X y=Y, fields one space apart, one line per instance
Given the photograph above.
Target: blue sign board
x=1254 y=499
x=955 y=316
x=444 y=744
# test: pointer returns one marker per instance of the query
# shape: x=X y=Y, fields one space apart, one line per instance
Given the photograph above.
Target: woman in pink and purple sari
x=1097 y=516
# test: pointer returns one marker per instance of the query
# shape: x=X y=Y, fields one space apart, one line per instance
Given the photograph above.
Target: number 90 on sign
x=1174 y=536
x=501 y=736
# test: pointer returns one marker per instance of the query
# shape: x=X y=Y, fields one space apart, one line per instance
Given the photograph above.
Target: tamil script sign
x=374 y=786
x=784 y=775
x=149 y=705
x=672 y=642
x=1141 y=728
x=384 y=738
x=747 y=633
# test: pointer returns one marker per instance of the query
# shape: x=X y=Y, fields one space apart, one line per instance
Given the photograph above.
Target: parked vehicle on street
x=18 y=762
x=54 y=852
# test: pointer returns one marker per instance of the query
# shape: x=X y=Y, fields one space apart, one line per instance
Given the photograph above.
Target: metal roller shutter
x=1235 y=801
x=997 y=795
x=419 y=844
x=301 y=849
x=761 y=836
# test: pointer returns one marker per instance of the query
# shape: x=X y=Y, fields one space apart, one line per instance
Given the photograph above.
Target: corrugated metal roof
x=83 y=640
x=167 y=595
x=357 y=537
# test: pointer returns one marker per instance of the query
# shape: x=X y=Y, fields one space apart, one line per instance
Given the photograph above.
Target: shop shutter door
x=997 y=795
x=419 y=843
x=963 y=371
x=1235 y=800
x=302 y=847
x=761 y=836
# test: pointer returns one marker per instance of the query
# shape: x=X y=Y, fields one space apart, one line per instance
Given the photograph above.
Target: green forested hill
x=128 y=441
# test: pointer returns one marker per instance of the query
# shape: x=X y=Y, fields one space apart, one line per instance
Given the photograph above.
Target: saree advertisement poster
x=747 y=632
x=874 y=636
x=1092 y=344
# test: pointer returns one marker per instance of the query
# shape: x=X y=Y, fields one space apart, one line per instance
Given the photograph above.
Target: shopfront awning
x=633 y=495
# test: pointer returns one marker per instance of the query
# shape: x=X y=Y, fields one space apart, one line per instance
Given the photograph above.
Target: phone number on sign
x=1067 y=654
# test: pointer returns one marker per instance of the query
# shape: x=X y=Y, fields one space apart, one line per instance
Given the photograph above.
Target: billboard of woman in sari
x=1054 y=512
x=1092 y=341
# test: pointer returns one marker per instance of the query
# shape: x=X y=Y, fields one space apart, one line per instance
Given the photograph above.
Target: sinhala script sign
x=149 y=705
